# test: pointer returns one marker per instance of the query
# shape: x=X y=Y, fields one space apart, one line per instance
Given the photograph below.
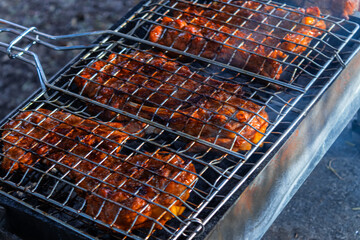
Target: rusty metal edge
x=267 y=195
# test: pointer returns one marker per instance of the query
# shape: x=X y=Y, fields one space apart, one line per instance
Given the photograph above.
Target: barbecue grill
x=307 y=107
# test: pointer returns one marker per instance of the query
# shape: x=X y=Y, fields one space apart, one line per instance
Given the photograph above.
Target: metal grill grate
x=220 y=169
x=308 y=64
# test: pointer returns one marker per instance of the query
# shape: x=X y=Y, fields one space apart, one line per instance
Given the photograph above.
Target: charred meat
x=159 y=89
x=117 y=187
x=245 y=34
x=35 y=134
x=155 y=186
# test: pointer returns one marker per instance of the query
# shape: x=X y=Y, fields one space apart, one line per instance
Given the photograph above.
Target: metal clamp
x=199 y=230
x=340 y=60
x=16 y=40
x=33 y=36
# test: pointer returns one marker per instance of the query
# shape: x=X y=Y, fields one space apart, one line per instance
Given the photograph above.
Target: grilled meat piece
x=87 y=152
x=159 y=89
x=146 y=77
x=227 y=121
x=208 y=43
x=245 y=34
x=154 y=186
x=33 y=135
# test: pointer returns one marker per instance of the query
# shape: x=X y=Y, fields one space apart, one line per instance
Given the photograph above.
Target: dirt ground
x=327 y=205
x=18 y=80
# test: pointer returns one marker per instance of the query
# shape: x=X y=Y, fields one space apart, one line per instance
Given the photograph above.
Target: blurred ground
x=18 y=80
x=326 y=207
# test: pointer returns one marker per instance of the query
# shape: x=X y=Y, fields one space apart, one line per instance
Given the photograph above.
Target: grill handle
x=32 y=36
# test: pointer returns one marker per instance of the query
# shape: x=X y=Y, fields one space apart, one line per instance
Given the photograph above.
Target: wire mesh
x=244 y=35
x=127 y=121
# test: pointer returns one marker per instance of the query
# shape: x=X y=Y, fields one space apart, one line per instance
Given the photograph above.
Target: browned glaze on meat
x=142 y=77
x=233 y=125
x=35 y=132
x=155 y=187
x=165 y=91
x=221 y=31
x=87 y=152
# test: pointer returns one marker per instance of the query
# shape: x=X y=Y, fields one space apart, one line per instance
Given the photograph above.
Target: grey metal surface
x=263 y=200
x=327 y=205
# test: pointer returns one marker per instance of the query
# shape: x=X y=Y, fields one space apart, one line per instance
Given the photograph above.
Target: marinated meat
x=39 y=133
x=146 y=77
x=235 y=125
x=245 y=34
x=154 y=186
x=115 y=186
x=159 y=89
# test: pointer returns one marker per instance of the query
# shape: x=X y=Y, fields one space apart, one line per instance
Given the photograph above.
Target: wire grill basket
x=186 y=120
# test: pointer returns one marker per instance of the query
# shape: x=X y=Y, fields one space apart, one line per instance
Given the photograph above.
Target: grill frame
x=26 y=102
x=283 y=172
x=335 y=21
